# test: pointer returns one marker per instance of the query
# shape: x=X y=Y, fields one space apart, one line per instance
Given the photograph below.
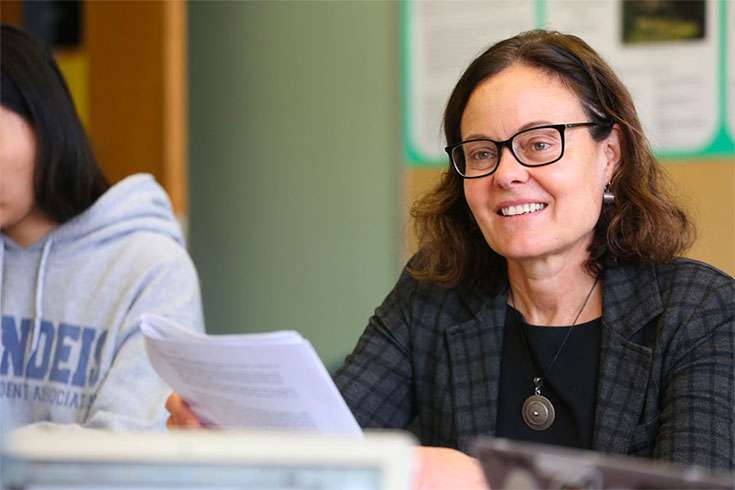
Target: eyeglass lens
x=535 y=147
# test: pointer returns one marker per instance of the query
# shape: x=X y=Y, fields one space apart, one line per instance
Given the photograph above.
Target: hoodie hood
x=136 y=203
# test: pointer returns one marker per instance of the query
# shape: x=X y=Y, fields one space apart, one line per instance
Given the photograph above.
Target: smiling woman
x=546 y=302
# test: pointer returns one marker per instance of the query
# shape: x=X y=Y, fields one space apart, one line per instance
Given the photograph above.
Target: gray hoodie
x=72 y=351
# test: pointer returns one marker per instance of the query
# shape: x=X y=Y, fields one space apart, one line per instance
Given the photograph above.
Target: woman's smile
x=522 y=209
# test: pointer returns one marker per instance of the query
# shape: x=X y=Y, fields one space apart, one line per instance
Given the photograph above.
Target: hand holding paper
x=263 y=381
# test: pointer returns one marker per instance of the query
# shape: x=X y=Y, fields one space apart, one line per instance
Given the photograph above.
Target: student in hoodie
x=81 y=261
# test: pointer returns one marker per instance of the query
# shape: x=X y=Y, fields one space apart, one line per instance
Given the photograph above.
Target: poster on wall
x=729 y=56
x=675 y=57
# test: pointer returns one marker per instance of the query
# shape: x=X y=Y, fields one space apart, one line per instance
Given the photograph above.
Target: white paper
x=264 y=380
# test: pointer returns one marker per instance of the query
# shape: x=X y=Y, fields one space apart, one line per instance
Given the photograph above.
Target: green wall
x=294 y=165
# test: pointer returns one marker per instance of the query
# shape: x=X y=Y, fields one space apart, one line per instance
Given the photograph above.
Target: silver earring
x=608 y=197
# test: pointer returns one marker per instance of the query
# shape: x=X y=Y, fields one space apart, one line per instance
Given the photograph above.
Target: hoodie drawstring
x=39 y=295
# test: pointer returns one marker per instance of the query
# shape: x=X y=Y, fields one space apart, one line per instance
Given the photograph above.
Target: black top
x=571 y=385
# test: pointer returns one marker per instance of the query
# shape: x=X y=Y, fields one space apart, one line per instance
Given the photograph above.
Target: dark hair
x=644 y=224
x=67 y=179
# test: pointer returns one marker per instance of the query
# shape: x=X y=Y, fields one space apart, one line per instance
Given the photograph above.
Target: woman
x=80 y=262
x=546 y=302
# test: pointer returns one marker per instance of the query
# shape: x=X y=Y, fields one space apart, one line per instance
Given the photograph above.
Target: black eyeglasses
x=532 y=147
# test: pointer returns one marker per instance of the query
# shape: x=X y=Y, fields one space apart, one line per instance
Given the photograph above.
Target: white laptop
x=514 y=464
x=205 y=459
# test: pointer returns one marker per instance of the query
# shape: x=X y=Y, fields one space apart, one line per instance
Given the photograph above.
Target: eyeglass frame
x=508 y=143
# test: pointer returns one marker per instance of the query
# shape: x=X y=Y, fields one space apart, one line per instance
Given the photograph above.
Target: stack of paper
x=263 y=380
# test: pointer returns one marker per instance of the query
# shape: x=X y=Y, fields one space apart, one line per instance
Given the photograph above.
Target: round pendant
x=538 y=412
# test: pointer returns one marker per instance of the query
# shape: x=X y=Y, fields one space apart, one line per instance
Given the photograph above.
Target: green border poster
x=683 y=86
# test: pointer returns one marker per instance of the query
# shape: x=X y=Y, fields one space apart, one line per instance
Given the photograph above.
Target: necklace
x=538 y=411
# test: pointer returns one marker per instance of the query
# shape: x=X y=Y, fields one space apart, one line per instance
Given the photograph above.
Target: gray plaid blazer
x=666 y=386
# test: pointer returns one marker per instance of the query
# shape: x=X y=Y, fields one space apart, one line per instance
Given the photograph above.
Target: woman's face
x=17 y=164
x=566 y=195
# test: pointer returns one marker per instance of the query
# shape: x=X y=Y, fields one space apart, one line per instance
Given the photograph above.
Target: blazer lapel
x=474 y=361
x=630 y=300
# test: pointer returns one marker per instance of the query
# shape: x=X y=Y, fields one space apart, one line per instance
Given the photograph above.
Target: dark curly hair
x=644 y=224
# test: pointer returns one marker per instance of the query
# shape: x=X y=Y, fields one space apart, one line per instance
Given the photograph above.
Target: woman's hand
x=440 y=468
x=181 y=414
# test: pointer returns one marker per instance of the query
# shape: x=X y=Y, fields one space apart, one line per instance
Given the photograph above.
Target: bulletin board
x=677 y=59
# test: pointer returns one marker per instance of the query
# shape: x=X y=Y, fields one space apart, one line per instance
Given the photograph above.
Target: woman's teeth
x=521 y=209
